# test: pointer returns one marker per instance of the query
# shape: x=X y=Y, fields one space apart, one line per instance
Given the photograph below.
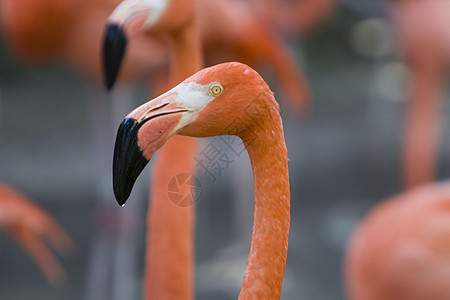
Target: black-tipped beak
x=128 y=161
x=114 y=46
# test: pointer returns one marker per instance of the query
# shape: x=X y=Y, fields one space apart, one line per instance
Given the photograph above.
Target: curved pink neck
x=267 y=259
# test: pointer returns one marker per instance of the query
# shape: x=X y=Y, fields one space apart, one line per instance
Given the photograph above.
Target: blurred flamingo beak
x=114 y=46
x=139 y=136
x=126 y=19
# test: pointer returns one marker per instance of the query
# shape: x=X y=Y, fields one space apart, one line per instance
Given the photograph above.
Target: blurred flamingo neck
x=170 y=242
x=185 y=52
x=267 y=259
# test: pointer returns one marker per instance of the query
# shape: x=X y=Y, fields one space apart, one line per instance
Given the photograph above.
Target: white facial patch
x=157 y=7
x=127 y=9
x=194 y=97
x=130 y=8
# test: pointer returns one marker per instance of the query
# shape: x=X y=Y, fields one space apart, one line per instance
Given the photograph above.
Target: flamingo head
x=131 y=17
x=226 y=99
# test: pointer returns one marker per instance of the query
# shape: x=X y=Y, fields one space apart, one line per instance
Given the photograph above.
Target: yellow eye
x=216 y=89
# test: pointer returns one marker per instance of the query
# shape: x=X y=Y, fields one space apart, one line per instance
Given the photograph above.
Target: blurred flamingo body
x=205 y=105
x=170 y=251
x=32 y=227
x=401 y=250
x=423 y=35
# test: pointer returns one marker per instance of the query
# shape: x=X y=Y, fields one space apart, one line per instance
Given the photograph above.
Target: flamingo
x=163 y=18
x=423 y=34
x=226 y=99
x=175 y=22
x=31 y=226
x=401 y=250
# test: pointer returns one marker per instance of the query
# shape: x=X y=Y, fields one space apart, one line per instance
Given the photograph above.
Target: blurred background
x=57 y=129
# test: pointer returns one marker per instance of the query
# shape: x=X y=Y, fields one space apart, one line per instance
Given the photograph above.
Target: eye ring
x=215 y=89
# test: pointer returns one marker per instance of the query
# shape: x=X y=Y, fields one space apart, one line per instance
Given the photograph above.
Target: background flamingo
x=204 y=105
x=426 y=51
x=170 y=250
x=32 y=228
x=401 y=249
